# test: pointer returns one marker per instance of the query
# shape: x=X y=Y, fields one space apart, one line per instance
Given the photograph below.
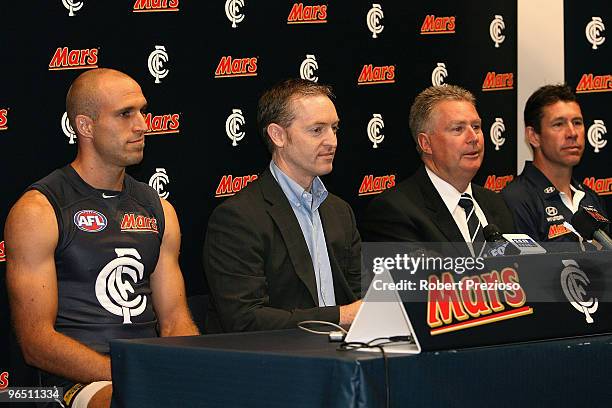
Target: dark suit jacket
x=413 y=211
x=258 y=266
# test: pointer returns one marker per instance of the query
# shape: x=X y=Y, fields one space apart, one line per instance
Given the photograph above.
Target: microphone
x=496 y=244
x=589 y=223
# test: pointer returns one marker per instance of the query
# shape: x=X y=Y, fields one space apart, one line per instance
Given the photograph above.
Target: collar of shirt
x=296 y=194
x=574 y=203
x=449 y=194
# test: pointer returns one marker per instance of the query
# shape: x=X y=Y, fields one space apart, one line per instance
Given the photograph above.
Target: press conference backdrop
x=203 y=65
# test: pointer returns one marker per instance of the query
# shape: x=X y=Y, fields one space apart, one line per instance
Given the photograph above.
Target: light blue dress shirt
x=305 y=206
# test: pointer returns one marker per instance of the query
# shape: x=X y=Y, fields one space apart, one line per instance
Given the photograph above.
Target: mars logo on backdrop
x=376 y=185
x=162 y=124
x=230 y=185
x=2 y=253
x=498 y=82
x=438 y=25
x=497 y=183
x=301 y=14
x=150 y=6
x=3 y=119
x=601 y=186
x=63 y=58
x=594 y=83
x=371 y=75
x=236 y=67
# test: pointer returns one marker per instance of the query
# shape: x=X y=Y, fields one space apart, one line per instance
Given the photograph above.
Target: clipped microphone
x=496 y=244
x=589 y=223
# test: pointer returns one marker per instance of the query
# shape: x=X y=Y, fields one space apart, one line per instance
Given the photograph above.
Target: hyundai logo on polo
x=549 y=190
x=90 y=220
x=552 y=211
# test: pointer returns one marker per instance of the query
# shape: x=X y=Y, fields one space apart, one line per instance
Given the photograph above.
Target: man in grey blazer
x=283 y=249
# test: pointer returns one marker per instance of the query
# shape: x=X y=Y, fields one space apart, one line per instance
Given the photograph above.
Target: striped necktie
x=474 y=227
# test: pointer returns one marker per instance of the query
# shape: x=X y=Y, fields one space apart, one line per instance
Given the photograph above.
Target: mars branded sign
x=594 y=83
x=301 y=14
x=162 y=124
x=2 y=253
x=236 y=67
x=3 y=119
x=438 y=25
x=498 y=82
x=376 y=185
x=600 y=186
x=474 y=300
x=151 y=6
x=371 y=75
x=497 y=183
x=65 y=58
x=230 y=185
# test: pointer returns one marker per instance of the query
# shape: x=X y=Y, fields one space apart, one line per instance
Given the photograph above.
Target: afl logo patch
x=90 y=221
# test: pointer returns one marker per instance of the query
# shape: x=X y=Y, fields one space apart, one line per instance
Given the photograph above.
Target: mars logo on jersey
x=148 y=6
x=474 y=301
x=497 y=183
x=438 y=25
x=90 y=220
x=138 y=223
x=498 y=82
x=371 y=75
x=2 y=253
x=63 y=58
x=556 y=230
x=3 y=119
x=236 y=67
x=230 y=185
x=301 y=14
x=594 y=83
x=376 y=185
x=600 y=186
x=161 y=124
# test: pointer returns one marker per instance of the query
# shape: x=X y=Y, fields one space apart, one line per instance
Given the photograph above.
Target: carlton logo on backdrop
x=375 y=127
x=593 y=32
x=90 y=220
x=233 y=126
x=308 y=68
x=497 y=183
x=301 y=14
x=497 y=129
x=376 y=185
x=373 y=20
x=156 y=62
x=594 y=83
x=138 y=223
x=72 y=6
x=371 y=75
x=3 y=119
x=574 y=283
x=230 y=67
x=67 y=129
x=158 y=182
x=233 y=11
x=602 y=186
x=438 y=25
x=595 y=135
x=152 y=6
x=2 y=253
x=439 y=74
x=496 y=28
x=230 y=185
x=162 y=124
x=498 y=82
x=64 y=58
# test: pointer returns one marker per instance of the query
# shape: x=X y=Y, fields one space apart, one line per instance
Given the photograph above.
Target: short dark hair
x=275 y=104
x=545 y=96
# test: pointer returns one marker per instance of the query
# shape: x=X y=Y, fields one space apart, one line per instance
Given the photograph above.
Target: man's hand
x=348 y=313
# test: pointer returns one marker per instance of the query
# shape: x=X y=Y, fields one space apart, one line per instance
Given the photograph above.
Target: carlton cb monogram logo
x=497 y=128
x=495 y=30
x=308 y=68
x=439 y=74
x=233 y=126
x=373 y=20
x=156 y=62
x=595 y=135
x=375 y=127
x=233 y=11
x=574 y=283
x=113 y=288
x=67 y=129
x=593 y=32
x=72 y=6
x=158 y=182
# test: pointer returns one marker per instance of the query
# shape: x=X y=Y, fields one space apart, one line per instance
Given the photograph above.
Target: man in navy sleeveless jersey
x=92 y=254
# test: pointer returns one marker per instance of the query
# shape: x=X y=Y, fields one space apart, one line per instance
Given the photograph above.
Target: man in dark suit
x=439 y=203
x=283 y=249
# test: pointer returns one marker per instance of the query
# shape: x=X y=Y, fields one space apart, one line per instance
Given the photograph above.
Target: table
x=292 y=368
